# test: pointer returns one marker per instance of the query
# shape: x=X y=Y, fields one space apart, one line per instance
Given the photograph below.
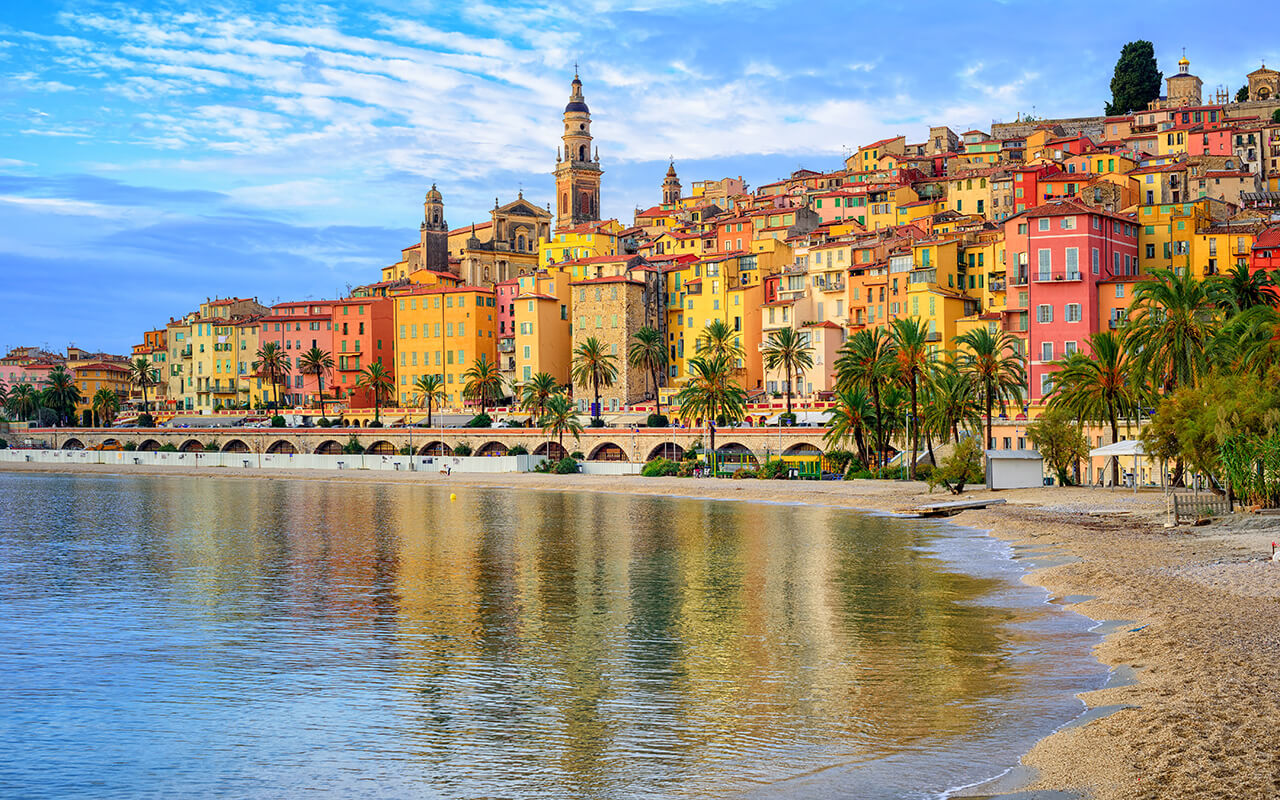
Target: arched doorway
x=283 y=447
x=802 y=449
x=382 y=448
x=329 y=448
x=668 y=450
x=192 y=446
x=552 y=450
x=607 y=452
x=73 y=444
x=235 y=446
x=436 y=449
x=732 y=455
x=492 y=449
x=149 y=446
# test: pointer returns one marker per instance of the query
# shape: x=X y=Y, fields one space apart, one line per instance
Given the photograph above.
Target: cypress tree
x=1136 y=81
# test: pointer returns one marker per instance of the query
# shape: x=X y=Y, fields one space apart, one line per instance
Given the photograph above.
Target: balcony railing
x=1020 y=279
x=1043 y=277
x=933 y=336
x=506 y=345
x=829 y=286
x=996 y=286
x=923 y=276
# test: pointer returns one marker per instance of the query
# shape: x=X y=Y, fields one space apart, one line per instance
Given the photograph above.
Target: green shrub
x=658 y=421
x=377 y=423
x=277 y=421
x=660 y=468
x=787 y=419
x=543 y=466
x=774 y=469
x=518 y=450
x=839 y=460
x=128 y=447
x=862 y=475
x=691 y=452
x=323 y=423
x=462 y=449
x=924 y=472
x=566 y=466
x=145 y=420
x=4 y=444
x=405 y=450
x=596 y=422
x=353 y=446
x=481 y=420
x=578 y=454
x=212 y=447
x=745 y=472
x=168 y=447
x=686 y=468
x=963 y=466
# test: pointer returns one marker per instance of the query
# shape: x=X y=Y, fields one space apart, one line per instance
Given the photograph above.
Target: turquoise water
x=260 y=638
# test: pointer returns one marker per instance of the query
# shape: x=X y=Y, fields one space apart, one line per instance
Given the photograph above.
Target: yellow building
x=92 y=376
x=441 y=331
x=935 y=293
x=883 y=201
x=580 y=241
x=543 y=338
x=223 y=352
x=1219 y=247
x=726 y=288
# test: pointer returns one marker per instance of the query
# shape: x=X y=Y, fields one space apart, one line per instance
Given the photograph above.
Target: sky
x=155 y=154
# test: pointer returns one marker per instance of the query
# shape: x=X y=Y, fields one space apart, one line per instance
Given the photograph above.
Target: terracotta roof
x=1268 y=238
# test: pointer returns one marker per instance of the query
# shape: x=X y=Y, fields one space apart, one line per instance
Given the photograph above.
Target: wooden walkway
x=949 y=508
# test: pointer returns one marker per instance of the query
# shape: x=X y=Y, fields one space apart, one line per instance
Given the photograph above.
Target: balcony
x=933 y=336
x=996 y=285
x=829 y=286
x=186 y=352
x=506 y=345
x=1020 y=279
x=923 y=276
x=1056 y=276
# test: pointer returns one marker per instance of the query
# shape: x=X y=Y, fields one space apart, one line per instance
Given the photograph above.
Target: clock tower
x=577 y=168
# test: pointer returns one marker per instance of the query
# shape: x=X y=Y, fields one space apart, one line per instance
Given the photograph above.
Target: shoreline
x=1197 y=719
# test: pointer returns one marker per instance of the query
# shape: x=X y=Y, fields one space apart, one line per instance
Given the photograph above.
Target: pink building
x=505 y=296
x=1069 y=248
x=298 y=327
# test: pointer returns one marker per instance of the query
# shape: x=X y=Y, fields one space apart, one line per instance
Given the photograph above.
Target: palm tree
x=23 y=401
x=534 y=393
x=61 y=393
x=951 y=405
x=710 y=392
x=849 y=417
x=914 y=360
x=789 y=351
x=482 y=382
x=993 y=362
x=4 y=396
x=429 y=390
x=558 y=418
x=866 y=360
x=1169 y=328
x=271 y=363
x=718 y=339
x=593 y=364
x=105 y=405
x=1240 y=289
x=648 y=352
x=316 y=362
x=1247 y=343
x=142 y=375
x=1097 y=386
x=378 y=380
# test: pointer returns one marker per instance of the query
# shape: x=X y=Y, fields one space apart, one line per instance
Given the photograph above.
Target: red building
x=363 y=333
x=1069 y=247
x=1026 y=185
x=298 y=327
x=1266 y=250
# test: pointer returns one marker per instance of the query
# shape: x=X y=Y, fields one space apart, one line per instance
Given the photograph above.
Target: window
x=1097 y=261
x=1045 y=264
x=1046 y=351
x=1044 y=223
x=1073 y=263
x=1069 y=223
x=1072 y=312
x=1044 y=313
x=1046 y=387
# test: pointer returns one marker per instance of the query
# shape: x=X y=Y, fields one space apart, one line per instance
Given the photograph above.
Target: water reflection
x=253 y=638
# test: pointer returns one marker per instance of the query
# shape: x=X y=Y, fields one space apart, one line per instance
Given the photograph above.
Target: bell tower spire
x=577 y=174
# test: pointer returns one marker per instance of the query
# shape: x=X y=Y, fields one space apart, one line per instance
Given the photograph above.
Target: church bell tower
x=434 y=232
x=577 y=170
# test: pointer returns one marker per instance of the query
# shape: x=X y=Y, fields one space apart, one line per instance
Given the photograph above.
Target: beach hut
x=1014 y=469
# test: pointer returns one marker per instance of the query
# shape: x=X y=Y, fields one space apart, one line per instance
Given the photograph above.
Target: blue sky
x=154 y=154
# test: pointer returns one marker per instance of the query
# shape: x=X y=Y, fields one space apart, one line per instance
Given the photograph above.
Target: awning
x=1129 y=447
x=818 y=418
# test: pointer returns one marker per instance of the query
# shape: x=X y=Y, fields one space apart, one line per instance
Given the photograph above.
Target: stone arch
x=283 y=447
x=235 y=446
x=110 y=442
x=582 y=152
x=735 y=453
x=802 y=449
x=73 y=444
x=435 y=449
x=492 y=449
x=381 y=448
x=669 y=450
x=552 y=450
x=329 y=447
x=192 y=446
x=149 y=446
x=607 y=451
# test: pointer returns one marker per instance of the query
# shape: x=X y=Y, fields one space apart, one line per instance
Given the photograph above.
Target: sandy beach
x=1201 y=607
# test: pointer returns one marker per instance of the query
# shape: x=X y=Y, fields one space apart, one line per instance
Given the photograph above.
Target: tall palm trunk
x=788 y=390
x=1115 y=437
x=915 y=432
x=428 y=411
x=881 y=444
x=657 y=398
x=595 y=385
x=990 y=443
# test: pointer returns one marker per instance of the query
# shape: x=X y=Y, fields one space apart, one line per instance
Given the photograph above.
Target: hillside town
x=1037 y=231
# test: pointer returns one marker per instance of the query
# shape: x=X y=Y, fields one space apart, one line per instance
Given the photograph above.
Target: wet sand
x=1201 y=607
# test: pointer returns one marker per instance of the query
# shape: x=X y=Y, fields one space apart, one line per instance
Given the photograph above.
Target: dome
x=1184 y=62
x=577 y=105
x=433 y=196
